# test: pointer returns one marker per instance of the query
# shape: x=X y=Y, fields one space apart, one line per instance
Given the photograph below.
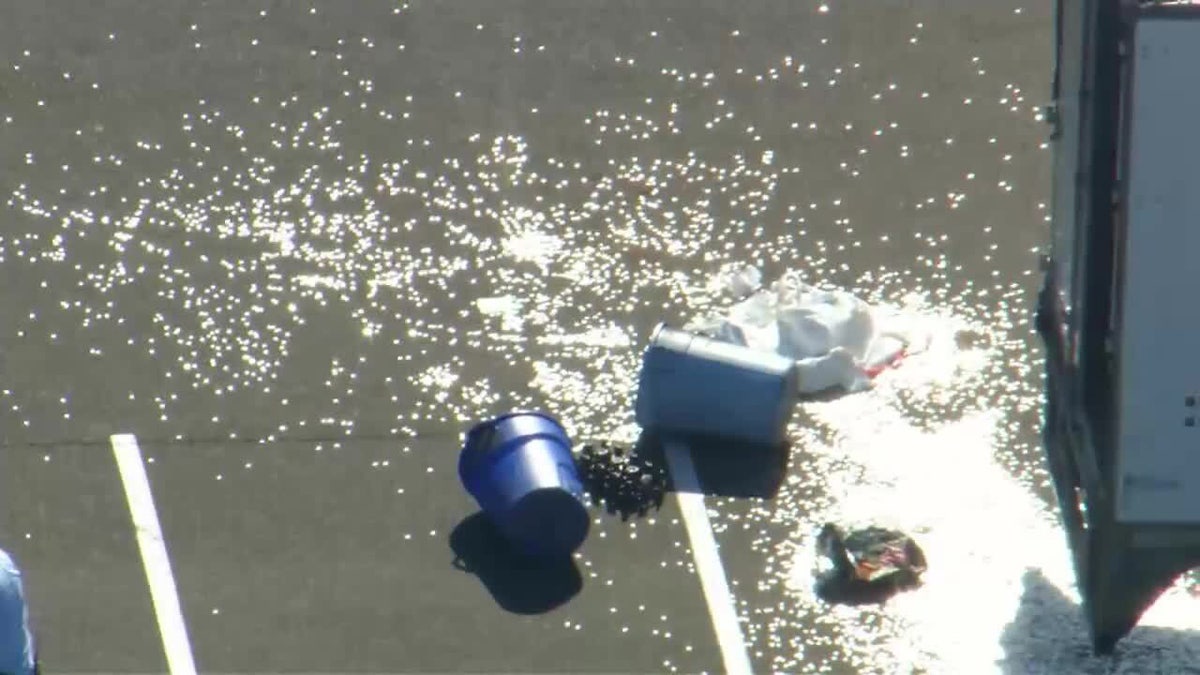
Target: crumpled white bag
x=836 y=339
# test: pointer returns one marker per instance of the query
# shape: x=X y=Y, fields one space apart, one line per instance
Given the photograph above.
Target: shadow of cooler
x=693 y=385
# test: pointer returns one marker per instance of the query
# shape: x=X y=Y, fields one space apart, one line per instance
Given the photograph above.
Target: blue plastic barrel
x=693 y=385
x=520 y=470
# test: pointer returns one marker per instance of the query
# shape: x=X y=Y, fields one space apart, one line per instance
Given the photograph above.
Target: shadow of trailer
x=1117 y=311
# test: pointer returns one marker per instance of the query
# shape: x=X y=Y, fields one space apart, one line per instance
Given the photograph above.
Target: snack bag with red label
x=869 y=559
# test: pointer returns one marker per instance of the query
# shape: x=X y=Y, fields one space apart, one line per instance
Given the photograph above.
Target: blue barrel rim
x=479 y=426
x=470 y=458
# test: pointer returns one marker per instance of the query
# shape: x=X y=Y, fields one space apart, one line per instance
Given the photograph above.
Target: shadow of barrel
x=519 y=583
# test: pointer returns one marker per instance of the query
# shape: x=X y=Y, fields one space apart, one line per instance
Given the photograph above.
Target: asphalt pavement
x=297 y=248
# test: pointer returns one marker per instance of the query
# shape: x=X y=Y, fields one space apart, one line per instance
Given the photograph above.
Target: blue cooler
x=691 y=384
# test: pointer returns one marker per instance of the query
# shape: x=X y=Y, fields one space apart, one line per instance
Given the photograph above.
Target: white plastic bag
x=836 y=339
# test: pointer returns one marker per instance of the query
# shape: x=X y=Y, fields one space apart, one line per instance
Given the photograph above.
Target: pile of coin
x=621 y=479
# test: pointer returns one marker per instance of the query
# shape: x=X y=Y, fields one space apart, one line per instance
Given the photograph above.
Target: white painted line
x=154 y=555
x=708 y=559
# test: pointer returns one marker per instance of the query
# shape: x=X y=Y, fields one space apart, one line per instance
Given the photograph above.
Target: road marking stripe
x=176 y=646
x=708 y=559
